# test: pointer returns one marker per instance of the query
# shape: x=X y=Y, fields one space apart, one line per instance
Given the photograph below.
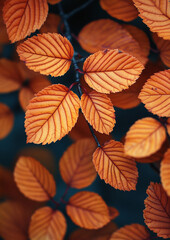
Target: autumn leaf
x=165 y=172
x=113 y=212
x=6 y=120
x=122 y=9
x=34 y=180
x=103 y=233
x=81 y=130
x=10 y=77
x=168 y=126
x=157 y=210
x=22 y=17
x=115 y=167
x=164 y=48
x=111 y=71
x=144 y=137
x=47 y=224
x=88 y=210
x=47 y=53
x=131 y=232
x=155 y=15
x=76 y=167
x=99 y=35
x=51 y=24
x=98 y=110
x=155 y=94
x=51 y=114
x=3 y=32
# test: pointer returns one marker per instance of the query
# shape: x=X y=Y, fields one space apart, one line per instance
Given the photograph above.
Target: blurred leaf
x=6 y=120
x=51 y=24
x=165 y=172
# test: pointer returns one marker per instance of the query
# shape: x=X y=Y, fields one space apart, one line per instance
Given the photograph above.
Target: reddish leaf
x=98 y=110
x=51 y=114
x=155 y=94
x=115 y=167
x=111 y=71
x=51 y=24
x=76 y=167
x=157 y=210
x=6 y=120
x=47 y=53
x=144 y=138
x=165 y=172
x=122 y=9
x=54 y=1
x=33 y=180
x=47 y=224
x=88 y=210
x=155 y=14
x=22 y=17
x=131 y=232
x=113 y=213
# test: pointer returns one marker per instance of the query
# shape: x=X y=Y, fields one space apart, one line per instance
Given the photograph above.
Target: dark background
x=130 y=204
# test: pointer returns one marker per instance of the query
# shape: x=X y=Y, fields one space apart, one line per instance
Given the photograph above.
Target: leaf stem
x=74 y=61
x=65 y=193
x=78 y=9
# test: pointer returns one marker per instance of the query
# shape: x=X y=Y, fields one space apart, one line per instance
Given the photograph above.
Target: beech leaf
x=6 y=120
x=165 y=172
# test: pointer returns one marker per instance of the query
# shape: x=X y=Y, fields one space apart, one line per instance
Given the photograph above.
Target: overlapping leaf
x=47 y=224
x=88 y=210
x=165 y=172
x=81 y=130
x=47 y=53
x=156 y=14
x=98 y=110
x=115 y=167
x=155 y=94
x=51 y=114
x=99 y=35
x=51 y=24
x=54 y=1
x=113 y=213
x=168 y=126
x=111 y=71
x=122 y=9
x=22 y=17
x=99 y=234
x=33 y=180
x=10 y=77
x=157 y=210
x=76 y=167
x=131 y=232
x=164 y=49
x=3 y=32
x=144 y=138
x=6 y=120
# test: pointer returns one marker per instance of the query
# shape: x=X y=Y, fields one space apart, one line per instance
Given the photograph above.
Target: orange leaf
x=51 y=24
x=98 y=110
x=115 y=167
x=155 y=14
x=47 y=224
x=10 y=77
x=3 y=31
x=155 y=94
x=76 y=167
x=99 y=35
x=6 y=120
x=52 y=2
x=81 y=130
x=144 y=137
x=47 y=53
x=164 y=48
x=131 y=232
x=14 y=219
x=22 y=17
x=111 y=71
x=51 y=114
x=113 y=213
x=141 y=37
x=168 y=126
x=34 y=86
x=34 y=180
x=122 y=9
x=99 y=234
x=88 y=210
x=157 y=210
x=165 y=172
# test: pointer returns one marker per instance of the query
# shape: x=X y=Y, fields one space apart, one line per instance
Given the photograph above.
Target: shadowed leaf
x=165 y=172
x=6 y=120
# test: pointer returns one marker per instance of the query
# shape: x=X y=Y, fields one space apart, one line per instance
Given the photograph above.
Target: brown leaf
x=51 y=24
x=165 y=172
x=6 y=120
